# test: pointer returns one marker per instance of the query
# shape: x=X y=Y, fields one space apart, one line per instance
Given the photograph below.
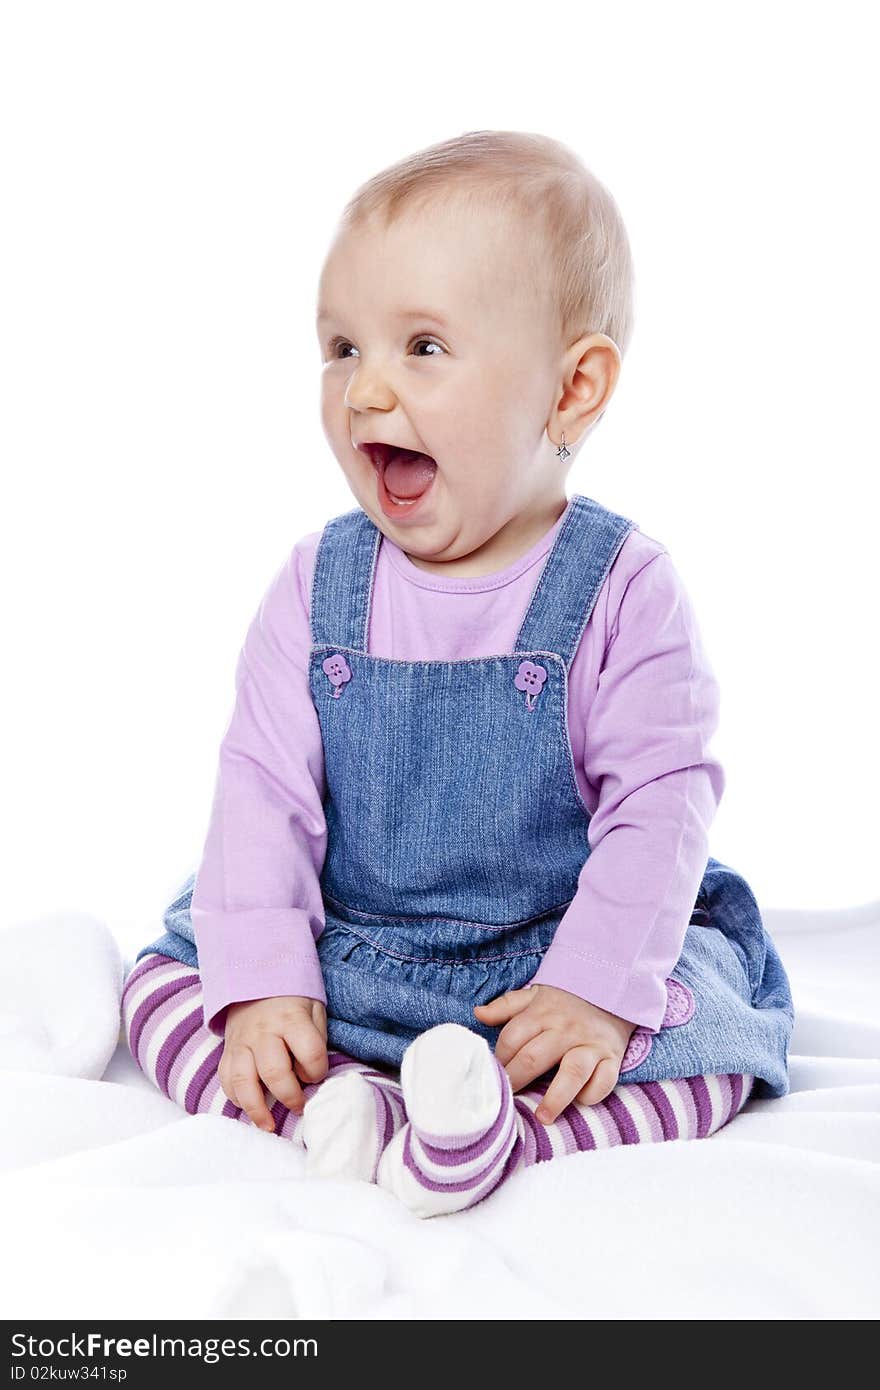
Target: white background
x=171 y=175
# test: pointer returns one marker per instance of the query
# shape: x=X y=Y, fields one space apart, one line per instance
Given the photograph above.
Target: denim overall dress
x=456 y=832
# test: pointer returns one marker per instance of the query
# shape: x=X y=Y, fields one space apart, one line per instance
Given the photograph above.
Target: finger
x=515 y=1034
x=505 y=1006
x=577 y=1066
x=536 y=1056
x=309 y=1048
x=601 y=1083
x=275 y=1066
x=242 y=1073
x=226 y=1085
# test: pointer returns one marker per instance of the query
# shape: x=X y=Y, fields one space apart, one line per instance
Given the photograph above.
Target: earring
x=562 y=452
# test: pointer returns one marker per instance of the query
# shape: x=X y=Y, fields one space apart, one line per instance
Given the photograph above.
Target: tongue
x=409 y=474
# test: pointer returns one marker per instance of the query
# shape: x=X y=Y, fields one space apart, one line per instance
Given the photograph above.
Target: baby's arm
x=257 y=908
x=648 y=725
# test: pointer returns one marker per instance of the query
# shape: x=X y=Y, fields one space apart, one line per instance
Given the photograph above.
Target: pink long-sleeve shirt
x=643 y=706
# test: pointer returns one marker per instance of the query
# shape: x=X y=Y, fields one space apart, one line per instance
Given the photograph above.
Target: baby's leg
x=166 y=1035
x=466 y=1131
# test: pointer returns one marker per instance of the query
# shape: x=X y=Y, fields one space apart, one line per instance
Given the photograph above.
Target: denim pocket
x=680 y=1009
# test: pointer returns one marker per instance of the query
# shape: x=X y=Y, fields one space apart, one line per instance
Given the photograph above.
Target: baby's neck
x=501 y=550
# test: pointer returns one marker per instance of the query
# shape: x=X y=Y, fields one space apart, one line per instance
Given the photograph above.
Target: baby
x=455 y=911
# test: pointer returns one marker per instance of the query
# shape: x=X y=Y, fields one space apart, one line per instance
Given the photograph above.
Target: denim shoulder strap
x=342 y=582
x=585 y=548
x=580 y=558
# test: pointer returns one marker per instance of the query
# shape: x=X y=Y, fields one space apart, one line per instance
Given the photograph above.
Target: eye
x=337 y=343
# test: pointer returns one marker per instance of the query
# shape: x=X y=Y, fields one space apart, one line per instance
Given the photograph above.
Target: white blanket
x=116 y=1204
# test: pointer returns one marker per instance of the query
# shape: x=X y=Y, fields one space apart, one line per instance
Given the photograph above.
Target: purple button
x=530 y=678
x=337 y=670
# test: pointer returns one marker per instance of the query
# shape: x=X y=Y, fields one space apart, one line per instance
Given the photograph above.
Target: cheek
x=462 y=434
x=334 y=421
x=480 y=419
x=333 y=386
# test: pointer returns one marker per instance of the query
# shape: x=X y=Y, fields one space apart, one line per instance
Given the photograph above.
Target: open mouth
x=406 y=474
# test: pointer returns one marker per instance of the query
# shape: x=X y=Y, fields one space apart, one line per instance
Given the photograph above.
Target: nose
x=367 y=389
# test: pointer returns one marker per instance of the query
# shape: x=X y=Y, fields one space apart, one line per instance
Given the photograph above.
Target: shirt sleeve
x=647 y=738
x=257 y=909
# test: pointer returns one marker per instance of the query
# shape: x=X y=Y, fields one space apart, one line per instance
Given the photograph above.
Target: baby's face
x=436 y=336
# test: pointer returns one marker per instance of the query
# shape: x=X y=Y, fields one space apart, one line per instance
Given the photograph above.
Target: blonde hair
x=574 y=228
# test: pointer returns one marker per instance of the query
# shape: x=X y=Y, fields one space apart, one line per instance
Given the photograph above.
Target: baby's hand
x=549 y=1025
x=260 y=1036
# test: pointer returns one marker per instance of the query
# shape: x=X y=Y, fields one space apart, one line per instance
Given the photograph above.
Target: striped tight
x=433 y=1164
x=165 y=1032
x=436 y=1168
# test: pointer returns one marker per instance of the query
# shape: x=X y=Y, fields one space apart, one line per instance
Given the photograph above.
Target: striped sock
x=457 y=1147
x=166 y=1035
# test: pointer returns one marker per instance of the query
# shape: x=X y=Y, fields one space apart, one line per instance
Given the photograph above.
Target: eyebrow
x=325 y=313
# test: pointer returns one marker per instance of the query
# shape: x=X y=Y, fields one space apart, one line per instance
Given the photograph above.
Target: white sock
x=462 y=1128
x=347 y=1122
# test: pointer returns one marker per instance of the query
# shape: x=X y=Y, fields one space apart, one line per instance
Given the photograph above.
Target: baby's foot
x=462 y=1134
x=347 y=1122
